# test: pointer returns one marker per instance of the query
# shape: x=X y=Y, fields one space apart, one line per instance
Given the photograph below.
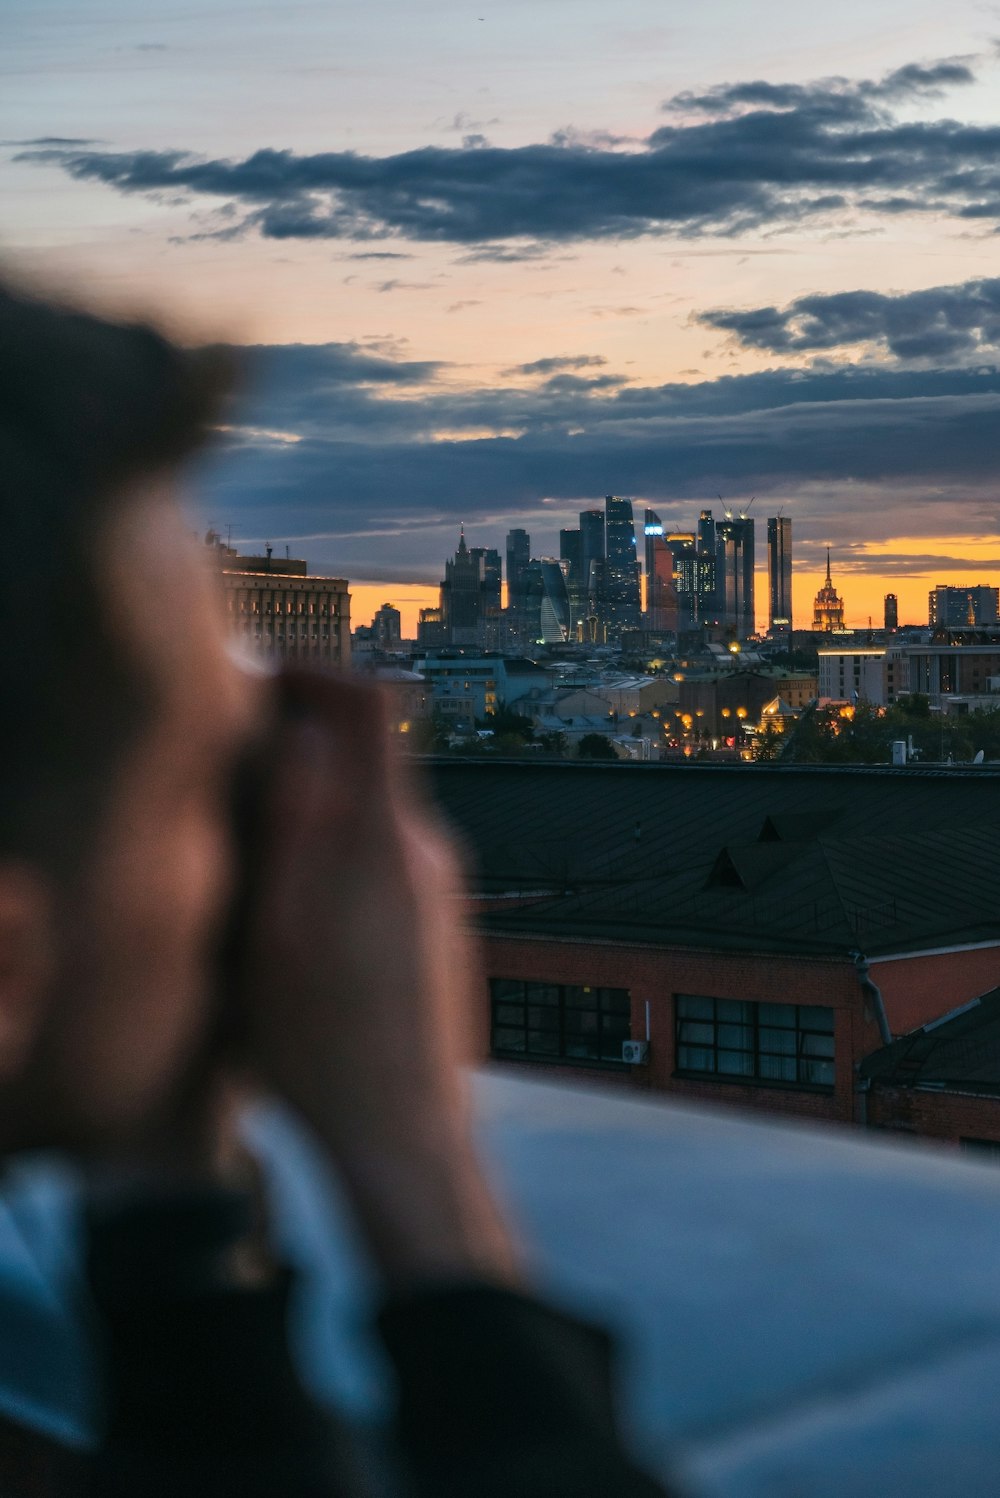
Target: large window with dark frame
x=735 y=1040
x=558 y=1021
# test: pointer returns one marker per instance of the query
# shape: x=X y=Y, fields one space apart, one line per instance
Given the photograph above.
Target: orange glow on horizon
x=863 y=592
x=408 y=598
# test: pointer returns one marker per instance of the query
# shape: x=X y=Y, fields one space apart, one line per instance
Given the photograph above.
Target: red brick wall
x=934 y=1115
x=918 y=989
x=654 y=976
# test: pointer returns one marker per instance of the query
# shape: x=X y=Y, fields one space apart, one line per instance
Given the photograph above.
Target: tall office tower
x=684 y=549
x=709 y=607
x=734 y=574
x=828 y=610
x=462 y=595
x=623 y=601
x=546 y=602
x=571 y=555
x=661 y=593
x=891 y=611
x=653 y=531
x=961 y=608
x=779 y=574
x=490 y=589
x=518 y=557
x=592 y=559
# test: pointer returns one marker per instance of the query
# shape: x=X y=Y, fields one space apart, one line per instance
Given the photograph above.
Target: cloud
x=508 y=255
x=942 y=322
x=386 y=453
x=558 y=364
x=324 y=370
x=56 y=141
x=729 y=160
x=463 y=123
x=384 y=287
x=915 y=564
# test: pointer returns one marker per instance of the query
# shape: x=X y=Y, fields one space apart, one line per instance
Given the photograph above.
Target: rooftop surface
x=802 y=1313
x=804 y=859
x=960 y=1051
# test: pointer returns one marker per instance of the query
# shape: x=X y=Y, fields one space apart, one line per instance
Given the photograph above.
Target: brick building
x=942 y=1081
x=764 y=929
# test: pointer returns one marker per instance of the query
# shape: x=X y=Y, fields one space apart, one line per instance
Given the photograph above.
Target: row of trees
x=510 y=734
x=823 y=736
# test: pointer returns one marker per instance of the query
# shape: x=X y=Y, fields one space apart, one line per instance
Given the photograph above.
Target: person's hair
x=88 y=407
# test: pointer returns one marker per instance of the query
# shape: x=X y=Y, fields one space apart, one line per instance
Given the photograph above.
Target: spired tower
x=828 y=610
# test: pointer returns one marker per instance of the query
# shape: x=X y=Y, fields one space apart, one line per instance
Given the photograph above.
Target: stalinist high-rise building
x=828 y=610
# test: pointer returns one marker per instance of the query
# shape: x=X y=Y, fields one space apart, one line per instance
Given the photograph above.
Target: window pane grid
x=568 y=1022
x=782 y=1043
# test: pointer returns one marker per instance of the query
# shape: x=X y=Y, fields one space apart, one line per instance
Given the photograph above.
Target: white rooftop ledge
x=803 y=1313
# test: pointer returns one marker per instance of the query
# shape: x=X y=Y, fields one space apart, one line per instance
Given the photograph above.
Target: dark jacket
x=498 y=1396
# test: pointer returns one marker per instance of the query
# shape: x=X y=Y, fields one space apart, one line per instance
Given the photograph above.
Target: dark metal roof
x=960 y=1052
x=808 y=859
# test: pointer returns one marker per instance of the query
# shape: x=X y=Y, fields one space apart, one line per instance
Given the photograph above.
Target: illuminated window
x=733 y=1040
x=558 y=1022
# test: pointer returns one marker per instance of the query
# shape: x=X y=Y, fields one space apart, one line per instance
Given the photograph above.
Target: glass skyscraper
x=779 y=573
x=546 y=603
x=622 y=599
x=734 y=574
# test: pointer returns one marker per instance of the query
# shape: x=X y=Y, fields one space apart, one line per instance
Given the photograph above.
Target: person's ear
x=27 y=958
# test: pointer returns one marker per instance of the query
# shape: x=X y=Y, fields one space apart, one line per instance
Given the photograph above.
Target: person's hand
x=361 y=984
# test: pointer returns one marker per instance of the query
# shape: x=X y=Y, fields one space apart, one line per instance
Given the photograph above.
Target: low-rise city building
x=735 y=935
x=276 y=610
x=467 y=687
x=942 y=1081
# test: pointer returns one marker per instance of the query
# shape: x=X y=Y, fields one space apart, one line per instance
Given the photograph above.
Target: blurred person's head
x=121 y=719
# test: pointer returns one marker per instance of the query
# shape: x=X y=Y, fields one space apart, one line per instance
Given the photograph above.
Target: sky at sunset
x=491 y=263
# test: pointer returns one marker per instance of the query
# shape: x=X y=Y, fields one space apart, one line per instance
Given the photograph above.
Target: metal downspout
x=874 y=994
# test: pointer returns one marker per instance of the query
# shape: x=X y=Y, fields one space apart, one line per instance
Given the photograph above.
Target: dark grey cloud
x=58 y=141
x=914 y=564
x=385 y=464
x=845 y=98
x=941 y=322
x=499 y=254
x=558 y=364
x=327 y=370
x=729 y=160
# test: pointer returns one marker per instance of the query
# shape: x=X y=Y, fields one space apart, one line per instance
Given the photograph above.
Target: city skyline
x=476 y=287
x=769 y=592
